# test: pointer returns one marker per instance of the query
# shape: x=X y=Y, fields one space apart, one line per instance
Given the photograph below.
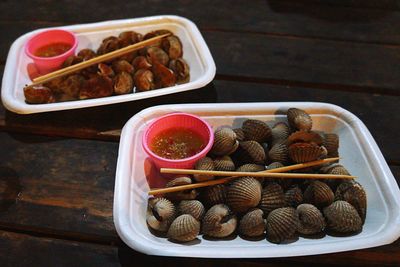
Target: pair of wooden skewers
x=273 y=173
x=96 y=60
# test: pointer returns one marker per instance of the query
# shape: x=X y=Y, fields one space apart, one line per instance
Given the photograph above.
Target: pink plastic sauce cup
x=49 y=64
x=174 y=120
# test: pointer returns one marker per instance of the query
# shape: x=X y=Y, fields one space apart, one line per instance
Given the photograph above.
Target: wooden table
x=57 y=169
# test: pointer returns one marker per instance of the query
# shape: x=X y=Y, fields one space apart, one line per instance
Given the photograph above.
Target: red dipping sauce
x=52 y=50
x=177 y=143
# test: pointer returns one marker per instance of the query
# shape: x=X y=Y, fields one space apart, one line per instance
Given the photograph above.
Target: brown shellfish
x=319 y=194
x=253 y=223
x=342 y=217
x=353 y=193
x=184 y=228
x=272 y=197
x=279 y=153
x=192 y=207
x=256 y=130
x=213 y=195
x=305 y=152
x=251 y=152
x=160 y=214
x=311 y=219
x=294 y=196
x=225 y=142
x=280 y=132
x=224 y=163
x=282 y=224
x=250 y=167
x=299 y=119
x=243 y=194
x=219 y=221
x=181 y=195
x=205 y=164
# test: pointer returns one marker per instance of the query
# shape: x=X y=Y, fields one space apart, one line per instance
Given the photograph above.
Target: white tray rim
x=21 y=107
x=136 y=241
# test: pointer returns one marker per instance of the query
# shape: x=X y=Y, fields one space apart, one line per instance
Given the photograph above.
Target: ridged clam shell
x=305 y=137
x=331 y=143
x=192 y=207
x=342 y=217
x=335 y=169
x=219 y=221
x=319 y=194
x=206 y=164
x=243 y=194
x=160 y=214
x=224 y=163
x=239 y=134
x=184 y=228
x=181 y=195
x=253 y=223
x=353 y=193
x=213 y=195
x=305 y=152
x=251 y=152
x=299 y=119
x=275 y=165
x=280 y=132
x=272 y=197
x=256 y=130
x=279 y=153
x=282 y=224
x=294 y=196
x=311 y=219
x=225 y=142
x=249 y=167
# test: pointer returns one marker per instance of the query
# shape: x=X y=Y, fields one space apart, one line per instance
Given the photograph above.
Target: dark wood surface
x=57 y=169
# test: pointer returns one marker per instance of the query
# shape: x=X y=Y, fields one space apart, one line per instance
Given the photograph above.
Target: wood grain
x=58 y=186
x=24 y=250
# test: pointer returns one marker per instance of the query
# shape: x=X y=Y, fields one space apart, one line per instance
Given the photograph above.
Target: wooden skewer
x=227 y=179
x=96 y=60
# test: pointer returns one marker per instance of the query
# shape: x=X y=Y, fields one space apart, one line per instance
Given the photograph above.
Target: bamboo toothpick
x=227 y=179
x=96 y=60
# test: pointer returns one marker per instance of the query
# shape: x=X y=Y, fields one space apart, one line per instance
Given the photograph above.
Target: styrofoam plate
x=359 y=152
x=195 y=52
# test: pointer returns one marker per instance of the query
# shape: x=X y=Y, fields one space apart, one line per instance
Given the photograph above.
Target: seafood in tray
x=278 y=209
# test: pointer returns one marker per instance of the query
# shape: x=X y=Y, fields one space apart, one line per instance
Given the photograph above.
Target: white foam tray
x=361 y=156
x=195 y=52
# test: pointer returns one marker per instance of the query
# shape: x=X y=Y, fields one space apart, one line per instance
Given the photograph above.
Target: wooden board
x=24 y=250
x=60 y=187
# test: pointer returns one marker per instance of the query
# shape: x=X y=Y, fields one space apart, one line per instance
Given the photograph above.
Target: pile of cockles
x=155 y=66
x=279 y=210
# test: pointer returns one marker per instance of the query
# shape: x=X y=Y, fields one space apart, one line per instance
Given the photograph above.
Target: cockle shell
x=311 y=219
x=272 y=197
x=244 y=193
x=334 y=169
x=282 y=224
x=213 y=195
x=251 y=152
x=181 y=195
x=331 y=143
x=253 y=223
x=294 y=196
x=192 y=207
x=280 y=132
x=219 y=221
x=225 y=142
x=239 y=134
x=275 y=165
x=224 y=163
x=342 y=217
x=205 y=164
x=249 y=167
x=184 y=228
x=160 y=213
x=299 y=119
x=305 y=152
x=256 y=130
x=305 y=137
x=353 y=193
x=279 y=153
x=319 y=194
